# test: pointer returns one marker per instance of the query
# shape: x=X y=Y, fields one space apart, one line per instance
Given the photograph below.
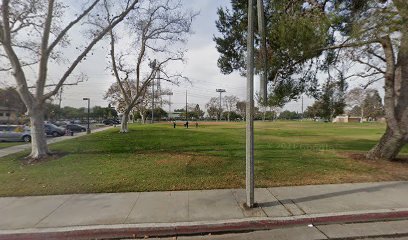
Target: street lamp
x=249 y=149
x=88 y=129
x=220 y=91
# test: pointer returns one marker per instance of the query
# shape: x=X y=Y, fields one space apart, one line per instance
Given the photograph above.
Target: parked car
x=52 y=130
x=15 y=133
x=75 y=128
x=111 y=121
x=60 y=123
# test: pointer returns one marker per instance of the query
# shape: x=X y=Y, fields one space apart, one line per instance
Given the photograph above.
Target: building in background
x=8 y=115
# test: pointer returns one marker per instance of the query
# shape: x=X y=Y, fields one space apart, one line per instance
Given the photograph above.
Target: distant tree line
x=9 y=98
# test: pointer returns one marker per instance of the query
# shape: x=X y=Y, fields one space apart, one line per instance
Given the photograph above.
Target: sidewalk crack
x=300 y=208
x=188 y=205
x=59 y=206
x=133 y=206
x=318 y=229
x=281 y=203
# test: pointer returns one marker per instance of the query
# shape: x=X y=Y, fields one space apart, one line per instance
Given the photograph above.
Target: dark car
x=75 y=128
x=111 y=121
x=52 y=130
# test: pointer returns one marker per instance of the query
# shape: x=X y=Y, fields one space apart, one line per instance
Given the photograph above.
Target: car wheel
x=55 y=134
x=27 y=138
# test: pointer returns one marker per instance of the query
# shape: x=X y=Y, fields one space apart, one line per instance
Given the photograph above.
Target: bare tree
x=241 y=108
x=155 y=27
x=213 y=108
x=230 y=103
x=355 y=97
x=33 y=34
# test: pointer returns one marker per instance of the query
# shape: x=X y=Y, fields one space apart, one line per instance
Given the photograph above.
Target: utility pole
x=249 y=150
x=264 y=53
x=186 y=108
x=59 y=103
x=88 y=129
x=169 y=94
x=302 y=107
x=60 y=97
x=220 y=91
x=153 y=101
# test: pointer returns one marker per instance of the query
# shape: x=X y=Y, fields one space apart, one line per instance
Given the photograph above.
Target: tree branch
x=70 y=25
x=371 y=66
x=22 y=88
x=42 y=69
x=88 y=48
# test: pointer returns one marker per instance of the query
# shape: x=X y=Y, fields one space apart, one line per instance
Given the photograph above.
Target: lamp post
x=220 y=91
x=249 y=150
x=170 y=94
x=88 y=129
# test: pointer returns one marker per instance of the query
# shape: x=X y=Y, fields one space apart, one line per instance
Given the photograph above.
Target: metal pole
x=152 y=101
x=220 y=106
x=264 y=54
x=169 y=104
x=88 y=131
x=302 y=107
x=186 y=107
x=249 y=109
x=59 y=103
x=220 y=91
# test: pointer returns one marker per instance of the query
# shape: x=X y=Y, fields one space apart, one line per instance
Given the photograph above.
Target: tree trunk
x=228 y=116
x=133 y=116
x=396 y=105
x=124 y=123
x=388 y=147
x=143 y=118
x=39 y=147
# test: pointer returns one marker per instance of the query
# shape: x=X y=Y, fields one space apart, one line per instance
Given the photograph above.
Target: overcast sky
x=201 y=68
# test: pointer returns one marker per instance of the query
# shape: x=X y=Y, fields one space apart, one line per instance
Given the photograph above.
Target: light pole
x=88 y=129
x=220 y=91
x=170 y=94
x=249 y=109
x=186 y=108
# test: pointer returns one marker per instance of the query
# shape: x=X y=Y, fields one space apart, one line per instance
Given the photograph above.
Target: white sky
x=201 y=68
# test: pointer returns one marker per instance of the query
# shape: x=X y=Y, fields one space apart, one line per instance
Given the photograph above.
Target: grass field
x=158 y=157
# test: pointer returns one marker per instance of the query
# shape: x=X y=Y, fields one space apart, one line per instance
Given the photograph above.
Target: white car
x=15 y=133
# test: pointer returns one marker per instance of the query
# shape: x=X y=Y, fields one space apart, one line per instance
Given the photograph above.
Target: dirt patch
x=188 y=159
x=52 y=157
x=388 y=170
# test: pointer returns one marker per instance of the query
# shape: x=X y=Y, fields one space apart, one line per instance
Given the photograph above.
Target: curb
x=197 y=228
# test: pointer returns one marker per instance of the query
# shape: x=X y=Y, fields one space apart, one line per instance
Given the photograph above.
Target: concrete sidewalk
x=19 y=148
x=188 y=212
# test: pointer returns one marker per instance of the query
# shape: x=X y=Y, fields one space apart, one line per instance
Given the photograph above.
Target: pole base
x=88 y=131
x=255 y=205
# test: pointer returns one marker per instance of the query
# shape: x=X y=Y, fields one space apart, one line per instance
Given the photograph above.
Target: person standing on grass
x=196 y=124
x=174 y=124
x=186 y=124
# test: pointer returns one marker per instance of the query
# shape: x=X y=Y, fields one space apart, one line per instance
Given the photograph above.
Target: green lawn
x=158 y=157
